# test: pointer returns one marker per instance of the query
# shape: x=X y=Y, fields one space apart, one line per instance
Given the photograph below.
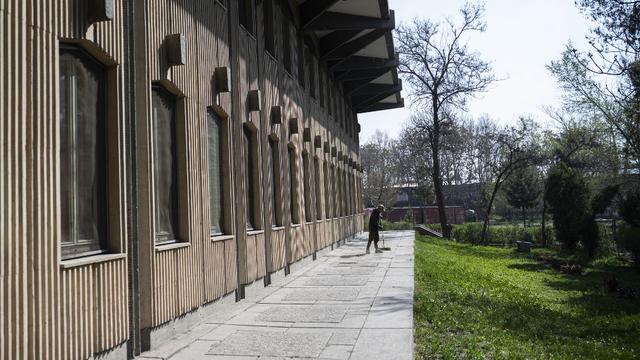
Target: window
x=352 y=193
x=286 y=39
x=327 y=191
x=318 y=187
x=250 y=179
x=300 y=47
x=336 y=188
x=216 y=198
x=267 y=20
x=320 y=86
x=83 y=156
x=165 y=165
x=245 y=13
x=312 y=73
x=307 y=187
x=343 y=193
x=330 y=100
x=276 y=199
x=293 y=183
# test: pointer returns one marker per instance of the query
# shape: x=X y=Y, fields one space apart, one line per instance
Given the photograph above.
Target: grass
x=483 y=302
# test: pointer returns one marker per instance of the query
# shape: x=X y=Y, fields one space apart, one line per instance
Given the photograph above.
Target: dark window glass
x=320 y=86
x=250 y=164
x=293 y=183
x=286 y=40
x=327 y=191
x=165 y=165
x=300 y=59
x=336 y=188
x=312 y=73
x=317 y=188
x=352 y=195
x=343 y=179
x=267 y=9
x=245 y=12
x=276 y=213
x=216 y=200
x=82 y=153
x=307 y=187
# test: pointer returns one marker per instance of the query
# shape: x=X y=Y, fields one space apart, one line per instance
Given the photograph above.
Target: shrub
x=398 y=225
x=629 y=237
x=629 y=209
x=569 y=199
x=506 y=235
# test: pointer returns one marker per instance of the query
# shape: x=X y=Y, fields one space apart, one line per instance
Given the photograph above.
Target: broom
x=384 y=248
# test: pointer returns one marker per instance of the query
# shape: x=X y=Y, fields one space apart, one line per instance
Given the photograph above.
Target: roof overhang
x=355 y=42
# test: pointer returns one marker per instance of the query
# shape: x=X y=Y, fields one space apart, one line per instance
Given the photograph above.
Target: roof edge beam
x=363 y=63
x=349 y=49
x=367 y=100
x=338 y=21
x=357 y=73
x=352 y=86
x=331 y=42
x=382 y=106
x=312 y=9
x=373 y=89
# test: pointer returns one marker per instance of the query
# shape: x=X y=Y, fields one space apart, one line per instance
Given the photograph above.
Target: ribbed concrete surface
x=345 y=305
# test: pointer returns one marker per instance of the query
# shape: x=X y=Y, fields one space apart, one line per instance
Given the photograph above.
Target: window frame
x=179 y=198
x=222 y=158
x=318 y=187
x=336 y=188
x=77 y=248
x=301 y=58
x=252 y=186
x=276 y=186
x=268 y=27
x=287 y=53
x=294 y=196
x=246 y=18
x=327 y=193
x=306 y=184
x=311 y=73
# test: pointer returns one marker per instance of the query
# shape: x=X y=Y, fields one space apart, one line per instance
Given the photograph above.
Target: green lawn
x=484 y=302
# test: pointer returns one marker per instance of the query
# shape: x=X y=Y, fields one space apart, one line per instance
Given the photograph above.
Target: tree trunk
x=544 y=216
x=524 y=217
x=489 y=206
x=437 y=178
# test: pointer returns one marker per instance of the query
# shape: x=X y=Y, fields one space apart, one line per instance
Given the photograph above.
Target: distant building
x=465 y=195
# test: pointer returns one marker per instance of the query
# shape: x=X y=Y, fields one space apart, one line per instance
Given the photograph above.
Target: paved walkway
x=344 y=305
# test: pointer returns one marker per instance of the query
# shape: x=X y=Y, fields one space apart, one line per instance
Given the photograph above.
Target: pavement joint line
x=366 y=318
x=359 y=316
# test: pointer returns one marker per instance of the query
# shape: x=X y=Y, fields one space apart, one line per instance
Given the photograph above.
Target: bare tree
x=512 y=149
x=379 y=169
x=605 y=79
x=442 y=73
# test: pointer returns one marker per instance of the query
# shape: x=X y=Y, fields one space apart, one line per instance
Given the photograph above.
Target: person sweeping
x=375 y=225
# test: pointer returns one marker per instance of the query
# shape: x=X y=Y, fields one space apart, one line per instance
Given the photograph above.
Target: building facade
x=157 y=156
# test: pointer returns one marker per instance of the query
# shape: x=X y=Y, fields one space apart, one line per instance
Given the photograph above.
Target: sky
x=522 y=37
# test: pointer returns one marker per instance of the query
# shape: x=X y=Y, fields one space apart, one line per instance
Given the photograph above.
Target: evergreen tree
x=523 y=190
x=569 y=199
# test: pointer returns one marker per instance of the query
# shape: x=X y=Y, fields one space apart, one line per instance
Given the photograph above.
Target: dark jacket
x=375 y=220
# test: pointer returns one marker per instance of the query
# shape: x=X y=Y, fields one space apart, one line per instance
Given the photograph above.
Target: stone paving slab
x=345 y=305
x=272 y=343
x=303 y=313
